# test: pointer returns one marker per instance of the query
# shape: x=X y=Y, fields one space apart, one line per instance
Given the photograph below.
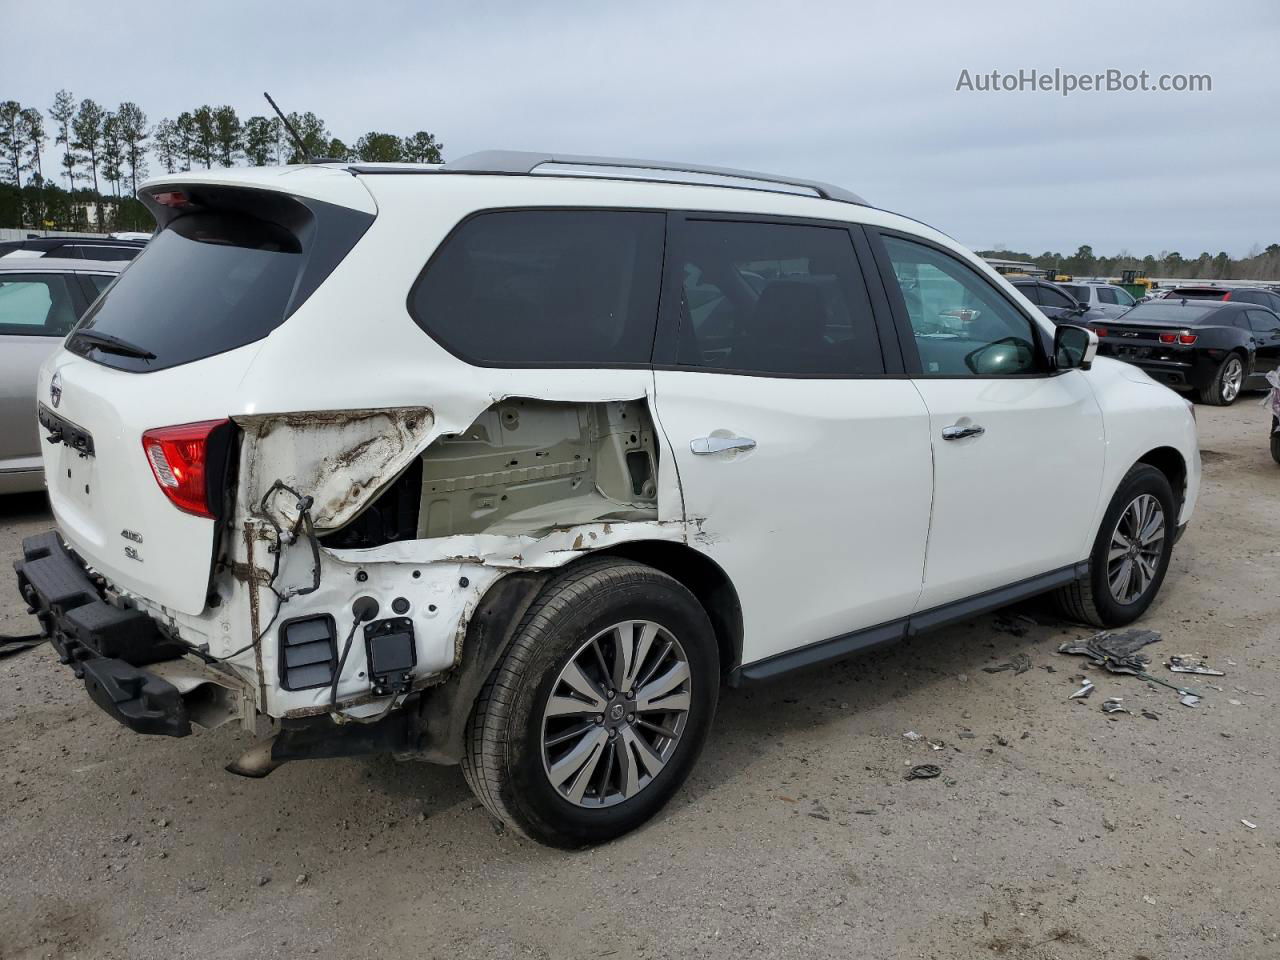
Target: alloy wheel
x=1136 y=547
x=616 y=714
x=1232 y=379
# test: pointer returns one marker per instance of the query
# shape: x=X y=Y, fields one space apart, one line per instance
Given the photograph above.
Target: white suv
x=512 y=462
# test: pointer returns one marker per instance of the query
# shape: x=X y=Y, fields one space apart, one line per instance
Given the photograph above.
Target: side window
x=545 y=287
x=1263 y=322
x=1107 y=294
x=774 y=298
x=1122 y=297
x=99 y=281
x=36 y=305
x=962 y=326
x=1080 y=293
x=1029 y=290
x=1055 y=298
x=1245 y=296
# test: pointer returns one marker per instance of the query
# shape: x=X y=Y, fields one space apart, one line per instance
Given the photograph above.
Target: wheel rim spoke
x=1137 y=543
x=616 y=713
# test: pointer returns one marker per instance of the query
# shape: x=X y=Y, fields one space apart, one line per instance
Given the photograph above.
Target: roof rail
x=521 y=162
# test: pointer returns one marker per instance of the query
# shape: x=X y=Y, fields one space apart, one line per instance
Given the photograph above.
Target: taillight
x=1168 y=338
x=171 y=198
x=1228 y=296
x=1186 y=339
x=179 y=457
x=1100 y=331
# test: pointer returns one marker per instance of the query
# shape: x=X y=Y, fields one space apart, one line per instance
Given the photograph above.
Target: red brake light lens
x=1228 y=296
x=1100 y=331
x=171 y=198
x=1168 y=338
x=179 y=457
x=1186 y=339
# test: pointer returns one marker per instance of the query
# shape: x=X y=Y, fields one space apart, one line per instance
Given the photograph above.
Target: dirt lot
x=1059 y=832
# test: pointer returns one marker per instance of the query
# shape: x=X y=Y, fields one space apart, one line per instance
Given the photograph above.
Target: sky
x=860 y=95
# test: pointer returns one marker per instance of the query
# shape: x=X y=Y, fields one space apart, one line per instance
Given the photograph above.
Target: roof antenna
x=297 y=140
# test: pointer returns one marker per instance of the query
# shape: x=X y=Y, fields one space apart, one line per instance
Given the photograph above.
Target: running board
x=859 y=641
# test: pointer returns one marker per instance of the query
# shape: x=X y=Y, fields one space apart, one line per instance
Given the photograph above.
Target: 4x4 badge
x=131 y=535
x=55 y=389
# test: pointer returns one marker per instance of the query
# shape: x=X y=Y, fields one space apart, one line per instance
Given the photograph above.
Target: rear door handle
x=703 y=446
x=957 y=432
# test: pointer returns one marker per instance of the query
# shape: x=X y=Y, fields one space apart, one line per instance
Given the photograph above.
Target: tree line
x=103 y=155
x=1258 y=264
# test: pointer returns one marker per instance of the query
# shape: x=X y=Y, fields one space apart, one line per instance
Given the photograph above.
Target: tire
x=1092 y=599
x=1221 y=391
x=570 y=623
x=1275 y=440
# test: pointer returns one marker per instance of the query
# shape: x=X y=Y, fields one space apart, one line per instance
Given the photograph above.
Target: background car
x=1236 y=293
x=1214 y=348
x=40 y=301
x=85 y=248
x=1055 y=302
x=1106 y=298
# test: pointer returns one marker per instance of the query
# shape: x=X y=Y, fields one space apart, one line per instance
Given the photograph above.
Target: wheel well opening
x=704 y=578
x=1169 y=462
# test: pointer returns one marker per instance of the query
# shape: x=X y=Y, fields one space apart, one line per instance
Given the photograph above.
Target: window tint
x=1245 y=296
x=1055 y=298
x=528 y=287
x=1107 y=294
x=100 y=281
x=774 y=298
x=1081 y=293
x=1263 y=322
x=962 y=326
x=1029 y=290
x=206 y=284
x=36 y=305
x=1122 y=297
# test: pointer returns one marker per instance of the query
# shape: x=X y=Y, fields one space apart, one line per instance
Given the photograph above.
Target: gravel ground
x=1056 y=831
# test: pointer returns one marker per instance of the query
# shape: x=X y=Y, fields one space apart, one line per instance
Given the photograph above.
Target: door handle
x=957 y=432
x=702 y=446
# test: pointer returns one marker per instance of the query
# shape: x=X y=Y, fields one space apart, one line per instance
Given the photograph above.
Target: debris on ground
x=1116 y=652
x=912 y=736
x=1114 y=705
x=1149 y=715
x=12 y=646
x=1019 y=663
x=923 y=771
x=1084 y=691
x=1249 y=824
x=1188 y=699
x=1192 y=663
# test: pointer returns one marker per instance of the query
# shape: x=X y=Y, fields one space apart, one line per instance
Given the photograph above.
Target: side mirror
x=1002 y=358
x=1074 y=347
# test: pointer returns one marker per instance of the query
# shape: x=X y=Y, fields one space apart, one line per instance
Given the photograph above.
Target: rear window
x=1198 y=293
x=1170 y=312
x=545 y=287
x=207 y=284
x=1080 y=293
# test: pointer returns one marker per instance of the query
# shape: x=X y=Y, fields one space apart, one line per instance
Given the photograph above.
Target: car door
x=1057 y=306
x=1266 y=340
x=802 y=450
x=1017 y=449
x=37 y=310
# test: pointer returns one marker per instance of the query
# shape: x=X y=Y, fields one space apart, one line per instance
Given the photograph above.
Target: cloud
x=855 y=94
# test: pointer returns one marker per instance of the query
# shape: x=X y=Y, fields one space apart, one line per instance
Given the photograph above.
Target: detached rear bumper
x=105 y=645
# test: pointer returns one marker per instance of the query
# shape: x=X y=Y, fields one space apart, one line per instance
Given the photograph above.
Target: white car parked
x=512 y=462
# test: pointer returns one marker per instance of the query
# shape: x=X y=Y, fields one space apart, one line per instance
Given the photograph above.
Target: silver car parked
x=40 y=301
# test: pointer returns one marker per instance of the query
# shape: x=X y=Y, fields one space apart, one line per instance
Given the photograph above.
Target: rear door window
x=1029 y=290
x=1107 y=295
x=1263 y=322
x=36 y=305
x=545 y=288
x=774 y=298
